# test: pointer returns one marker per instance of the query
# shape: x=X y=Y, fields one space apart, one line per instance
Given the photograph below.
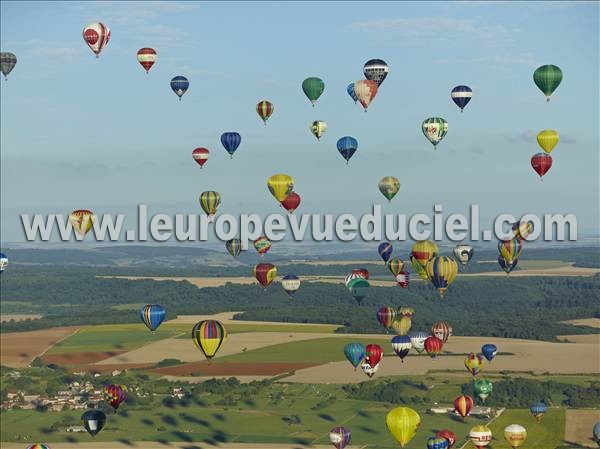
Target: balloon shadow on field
x=363 y=414
x=183 y=436
x=126 y=442
x=326 y=417
x=367 y=429
x=219 y=417
x=169 y=420
x=302 y=441
x=147 y=422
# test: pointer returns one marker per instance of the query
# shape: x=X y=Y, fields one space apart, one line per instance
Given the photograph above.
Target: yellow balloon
x=403 y=422
x=442 y=271
x=82 y=221
x=280 y=186
x=515 y=435
x=424 y=251
x=402 y=326
x=547 y=139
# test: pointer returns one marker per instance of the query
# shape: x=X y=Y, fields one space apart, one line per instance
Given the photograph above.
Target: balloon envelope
x=515 y=435
x=291 y=284
x=547 y=140
x=461 y=95
x=200 y=155
x=234 y=247
x=93 y=421
x=448 y=435
x=96 y=35
x=489 y=351
x=209 y=336
x=385 y=250
x=265 y=273
x=347 y=146
x=435 y=129
x=264 y=109
x=8 y=61
x=547 y=78
x=339 y=437
x=403 y=422
x=152 y=315
x=115 y=394
x=146 y=57
x=3 y=262
x=231 y=141
x=280 y=186
x=376 y=70
x=180 y=85
x=313 y=88
x=389 y=186
x=355 y=353
x=541 y=163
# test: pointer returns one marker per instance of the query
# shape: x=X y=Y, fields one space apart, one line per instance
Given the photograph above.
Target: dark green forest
x=528 y=307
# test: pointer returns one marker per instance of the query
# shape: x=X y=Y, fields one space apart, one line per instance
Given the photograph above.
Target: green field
x=257 y=419
x=113 y=337
x=549 y=433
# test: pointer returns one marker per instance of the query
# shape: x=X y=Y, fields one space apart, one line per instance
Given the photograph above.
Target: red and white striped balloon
x=96 y=35
x=146 y=57
x=365 y=90
x=200 y=155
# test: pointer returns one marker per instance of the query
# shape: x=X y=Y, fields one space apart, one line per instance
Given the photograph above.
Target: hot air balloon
x=386 y=316
x=339 y=437
x=510 y=250
x=442 y=271
x=401 y=345
x=231 y=141
x=280 y=186
x=365 y=91
x=209 y=336
x=265 y=273
x=463 y=254
x=291 y=202
x=474 y=363
x=480 y=436
x=547 y=140
x=350 y=90
x=152 y=315
x=461 y=95
x=538 y=410
x=448 y=435
x=515 y=435
x=347 y=146
x=547 y=78
x=596 y=433
x=146 y=57
x=313 y=88
x=262 y=245
x=463 y=405
x=93 y=421
x=417 y=339
x=234 y=247
x=403 y=422
x=423 y=252
x=441 y=330
x=433 y=346
x=318 y=128
x=419 y=269
x=82 y=221
x=395 y=266
x=373 y=354
x=522 y=230
x=389 y=186
x=264 y=109
x=385 y=250
x=505 y=266
x=355 y=353
x=8 y=61
x=3 y=262
x=402 y=325
x=358 y=288
x=406 y=311
x=482 y=388
x=38 y=446
x=368 y=369
x=435 y=128
x=403 y=279
x=541 y=163
x=96 y=35
x=200 y=155
x=290 y=284
x=361 y=272
x=376 y=70
x=210 y=201
x=437 y=443
x=180 y=85
x=115 y=394
x=489 y=351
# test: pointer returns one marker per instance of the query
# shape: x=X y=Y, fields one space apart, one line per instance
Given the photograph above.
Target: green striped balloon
x=313 y=88
x=210 y=201
x=435 y=128
x=547 y=78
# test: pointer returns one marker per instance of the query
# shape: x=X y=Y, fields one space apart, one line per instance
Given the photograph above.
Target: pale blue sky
x=101 y=134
